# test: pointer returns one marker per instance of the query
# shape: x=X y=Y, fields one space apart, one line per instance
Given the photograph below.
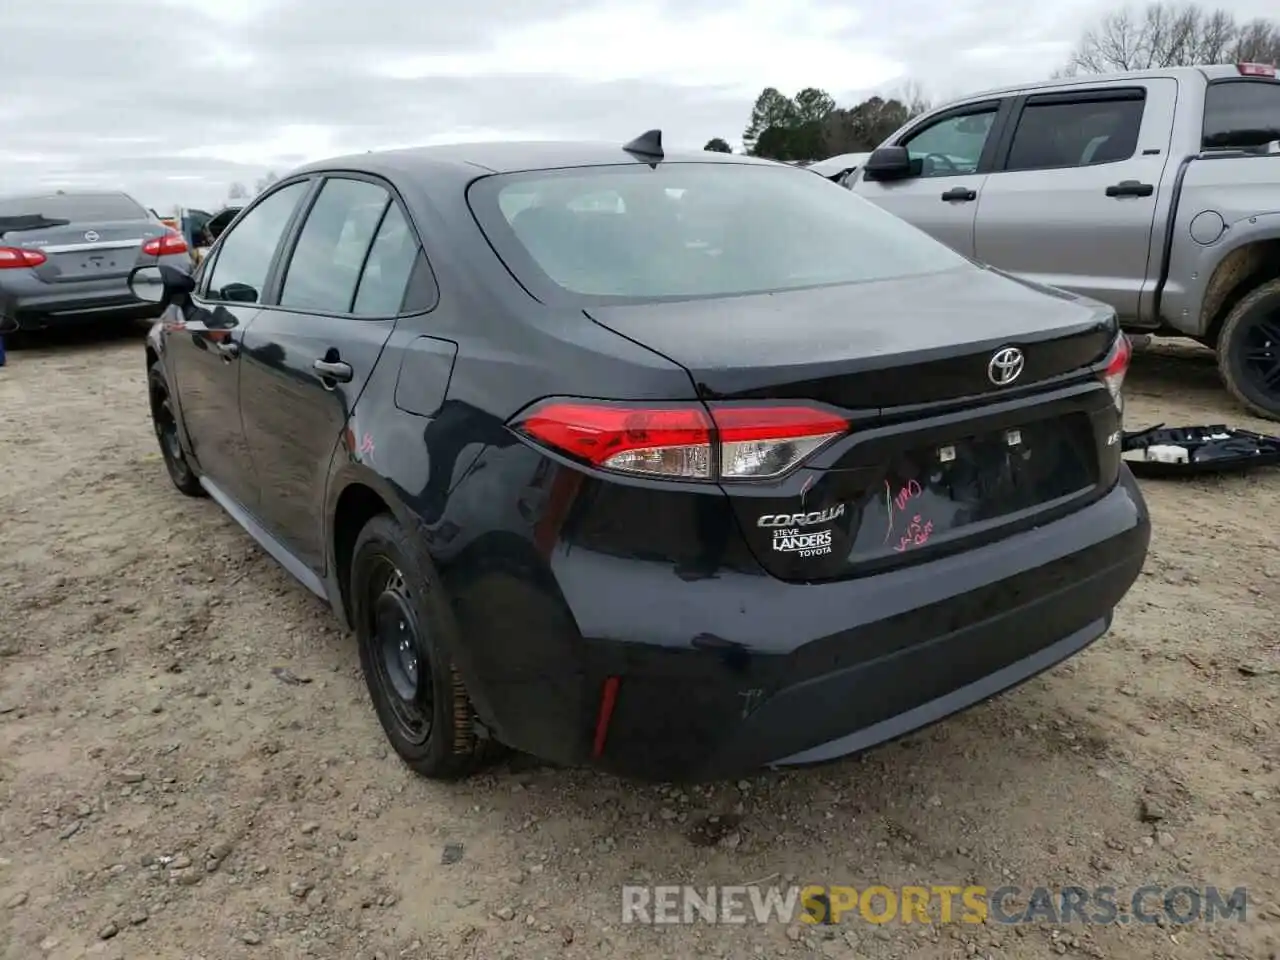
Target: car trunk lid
x=893 y=343
x=78 y=252
x=938 y=456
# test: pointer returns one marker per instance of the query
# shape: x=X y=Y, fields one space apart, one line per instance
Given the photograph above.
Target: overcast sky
x=173 y=100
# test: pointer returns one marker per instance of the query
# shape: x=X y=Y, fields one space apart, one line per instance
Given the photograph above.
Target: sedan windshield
x=684 y=230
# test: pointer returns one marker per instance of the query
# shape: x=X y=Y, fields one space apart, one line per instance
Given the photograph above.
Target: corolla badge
x=92 y=236
x=1005 y=366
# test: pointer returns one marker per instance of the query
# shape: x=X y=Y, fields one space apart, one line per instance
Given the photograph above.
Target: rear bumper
x=932 y=711
x=80 y=312
x=37 y=305
x=740 y=672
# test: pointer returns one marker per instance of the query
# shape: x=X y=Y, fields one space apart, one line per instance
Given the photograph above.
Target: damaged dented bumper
x=742 y=672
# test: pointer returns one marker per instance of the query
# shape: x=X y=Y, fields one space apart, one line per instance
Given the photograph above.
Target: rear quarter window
x=631 y=233
x=1241 y=114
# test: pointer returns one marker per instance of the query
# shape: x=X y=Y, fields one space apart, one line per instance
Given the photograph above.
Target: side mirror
x=239 y=293
x=160 y=284
x=888 y=163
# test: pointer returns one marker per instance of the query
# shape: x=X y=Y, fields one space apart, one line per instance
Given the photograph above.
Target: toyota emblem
x=1005 y=366
x=92 y=236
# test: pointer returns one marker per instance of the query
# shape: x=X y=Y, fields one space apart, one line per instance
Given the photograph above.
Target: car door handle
x=229 y=350
x=1130 y=188
x=335 y=370
x=960 y=193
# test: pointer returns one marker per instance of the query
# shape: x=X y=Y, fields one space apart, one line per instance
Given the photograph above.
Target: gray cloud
x=175 y=99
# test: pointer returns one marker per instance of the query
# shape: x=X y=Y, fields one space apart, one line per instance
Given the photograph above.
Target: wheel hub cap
x=1262 y=355
x=399 y=649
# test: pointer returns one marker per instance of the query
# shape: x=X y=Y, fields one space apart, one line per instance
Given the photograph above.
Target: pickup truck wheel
x=1249 y=351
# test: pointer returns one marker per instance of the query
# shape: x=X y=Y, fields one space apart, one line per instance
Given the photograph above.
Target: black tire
x=165 y=421
x=404 y=627
x=1249 y=351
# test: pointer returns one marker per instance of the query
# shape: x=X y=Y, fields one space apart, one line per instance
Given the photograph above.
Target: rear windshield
x=76 y=207
x=684 y=230
x=1241 y=113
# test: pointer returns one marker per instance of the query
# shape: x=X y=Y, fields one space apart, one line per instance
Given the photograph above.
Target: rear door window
x=324 y=269
x=386 y=271
x=1241 y=113
x=1057 y=132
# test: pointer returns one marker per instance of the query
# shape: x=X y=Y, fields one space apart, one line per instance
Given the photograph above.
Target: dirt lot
x=163 y=794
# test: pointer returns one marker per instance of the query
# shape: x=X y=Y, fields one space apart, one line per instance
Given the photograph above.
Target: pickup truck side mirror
x=888 y=163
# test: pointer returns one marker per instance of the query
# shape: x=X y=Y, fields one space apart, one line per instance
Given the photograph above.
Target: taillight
x=761 y=442
x=1256 y=70
x=171 y=242
x=1117 y=365
x=684 y=441
x=17 y=258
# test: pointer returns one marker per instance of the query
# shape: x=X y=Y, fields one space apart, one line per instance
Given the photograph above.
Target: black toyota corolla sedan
x=676 y=465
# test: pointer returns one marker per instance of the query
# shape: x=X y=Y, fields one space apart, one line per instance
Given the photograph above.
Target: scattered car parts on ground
x=1162 y=451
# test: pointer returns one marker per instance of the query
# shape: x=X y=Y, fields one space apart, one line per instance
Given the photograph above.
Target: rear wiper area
x=29 y=221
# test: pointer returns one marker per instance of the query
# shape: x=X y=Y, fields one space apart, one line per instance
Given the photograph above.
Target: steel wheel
x=402 y=669
x=165 y=421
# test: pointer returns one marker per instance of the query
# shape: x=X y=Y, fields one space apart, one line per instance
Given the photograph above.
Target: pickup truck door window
x=308 y=357
x=942 y=198
x=1073 y=201
x=204 y=354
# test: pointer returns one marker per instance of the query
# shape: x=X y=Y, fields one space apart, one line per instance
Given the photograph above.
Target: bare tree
x=1168 y=34
x=1257 y=41
x=237 y=191
x=912 y=96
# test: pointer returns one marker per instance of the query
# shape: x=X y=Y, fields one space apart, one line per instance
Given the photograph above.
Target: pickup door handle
x=1130 y=188
x=228 y=350
x=960 y=193
x=334 y=370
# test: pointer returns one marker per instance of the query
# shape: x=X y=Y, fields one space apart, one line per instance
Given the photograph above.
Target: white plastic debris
x=1168 y=453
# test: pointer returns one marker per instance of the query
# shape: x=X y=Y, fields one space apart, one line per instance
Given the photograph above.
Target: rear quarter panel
x=510 y=351
x=1225 y=205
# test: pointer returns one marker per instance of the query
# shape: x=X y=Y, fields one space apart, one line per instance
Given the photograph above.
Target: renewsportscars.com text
x=941 y=904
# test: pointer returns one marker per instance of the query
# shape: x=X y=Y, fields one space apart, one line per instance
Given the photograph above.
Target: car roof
x=476 y=159
x=42 y=194
x=1211 y=72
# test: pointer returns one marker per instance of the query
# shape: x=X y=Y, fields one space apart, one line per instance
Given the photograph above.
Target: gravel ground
x=164 y=793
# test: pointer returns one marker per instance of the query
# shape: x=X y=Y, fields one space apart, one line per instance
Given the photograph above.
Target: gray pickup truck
x=1157 y=192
